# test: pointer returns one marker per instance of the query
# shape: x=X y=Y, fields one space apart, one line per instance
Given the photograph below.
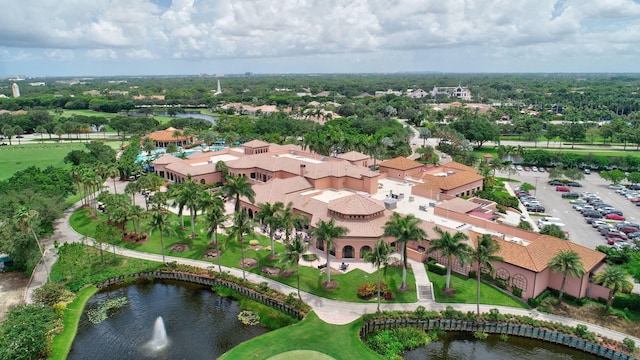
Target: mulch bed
x=270 y=270
x=134 y=237
x=211 y=254
x=287 y=273
x=249 y=263
x=448 y=291
x=179 y=247
x=330 y=285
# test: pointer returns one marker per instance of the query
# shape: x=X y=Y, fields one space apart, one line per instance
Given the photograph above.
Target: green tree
x=237 y=186
x=525 y=225
x=293 y=251
x=450 y=246
x=242 y=226
x=615 y=176
x=553 y=230
x=616 y=280
x=568 y=262
x=270 y=215
x=634 y=177
x=326 y=232
x=379 y=257
x=28 y=221
x=404 y=229
x=484 y=256
x=160 y=222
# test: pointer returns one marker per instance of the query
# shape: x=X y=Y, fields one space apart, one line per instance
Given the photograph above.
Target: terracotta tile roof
x=535 y=255
x=353 y=156
x=292 y=165
x=277 y=189
x=166 y=135
x=255 y=144
x=356 y=205
x=166 y=159
x=400 y=163
x=185 y=168
x=462 y=175
x=458 y=205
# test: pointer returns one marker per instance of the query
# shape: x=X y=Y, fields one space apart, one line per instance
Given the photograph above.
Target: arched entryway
x=363 y=250
x=250 y=214
x=348 y=252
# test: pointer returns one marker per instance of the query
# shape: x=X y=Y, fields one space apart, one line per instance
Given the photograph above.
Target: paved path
x=329 y=310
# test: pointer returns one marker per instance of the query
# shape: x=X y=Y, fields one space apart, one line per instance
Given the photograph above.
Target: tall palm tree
x=379 y=257
x=404 y=229
x=237 y=186
x=567 y=262
x=293 y=251
x=269 y=214
x=290 y=220
x=242 y=226
x=160 y=222
x=214 y=216
x=326 y=232
x=190 y=195
x=112 y=171
x=27 y=220
x=616 y=279
x=484 y=256
x=450 y=246
x=132 y=188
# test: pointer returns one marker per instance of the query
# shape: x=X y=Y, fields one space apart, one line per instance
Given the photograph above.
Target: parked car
x=592 y=214
x=536 y=208
x=616 y=187
x=556 y=183
x=627 y=229
x=608 y=211
x=534 y=168
x=613 y=240
x=634 y=187
x=562 y=189
x=526 y=168
x=587 y=171
x=574 y=184
x=634 y=235
x=614 y=217
x=577 y=202
x=597 y=223
x=570 y=195
x=541 y=169
x=519 y=167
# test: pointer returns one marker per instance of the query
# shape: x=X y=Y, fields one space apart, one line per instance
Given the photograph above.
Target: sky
x=190 y=37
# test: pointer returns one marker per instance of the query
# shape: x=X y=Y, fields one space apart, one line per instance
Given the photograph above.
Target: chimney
x=302 y=169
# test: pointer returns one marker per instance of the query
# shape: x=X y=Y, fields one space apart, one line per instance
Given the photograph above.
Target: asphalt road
x=579 y=231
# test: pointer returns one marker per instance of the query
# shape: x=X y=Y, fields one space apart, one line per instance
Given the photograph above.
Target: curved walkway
x=331 y=311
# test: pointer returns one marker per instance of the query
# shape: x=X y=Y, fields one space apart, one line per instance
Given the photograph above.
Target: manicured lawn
x=70 y=113
x=62 y=343
x=338 y=341
x=311 y=278
x=19 y=157
x=466 y=292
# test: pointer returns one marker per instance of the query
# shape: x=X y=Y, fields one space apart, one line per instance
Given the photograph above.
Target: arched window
x=201 y=181
x=520 y=282
x=502 y=274
x=348 y=252
x=363 y=250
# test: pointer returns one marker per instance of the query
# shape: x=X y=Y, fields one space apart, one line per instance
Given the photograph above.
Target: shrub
x=263 y=286
x=25 y=331
x=504 y=337
x=391 y=343
x=52 y=293
x=581 y=330
x=516 y=291
x=254 y=243
x=420 y=311
x=629 y=343
x=533 y=302
x=494 y=315
x=436 y=268
x=480 y=335
x=249 y=317
x=367 y=290
x=629 y=301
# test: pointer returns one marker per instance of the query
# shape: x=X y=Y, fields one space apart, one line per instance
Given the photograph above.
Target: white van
x=550 y=221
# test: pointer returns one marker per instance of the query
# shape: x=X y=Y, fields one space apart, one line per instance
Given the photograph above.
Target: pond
x=199 y=324
x=209 y=118
x=459 y=346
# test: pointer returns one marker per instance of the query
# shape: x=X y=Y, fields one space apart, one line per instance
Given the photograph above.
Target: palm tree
x=160 y=222
x=450 y=246
x=379 y=257
x=112 y=171
x=293 y=252
x=27 y=222
x=484 y=256
x=242 y=226
x=616 y=279
x=132 y=188
x=567 y=262
x=290 y=220
x=270 y=215
x=404 y=229
x=237 y=186
x=215 y=216
x=326 y=232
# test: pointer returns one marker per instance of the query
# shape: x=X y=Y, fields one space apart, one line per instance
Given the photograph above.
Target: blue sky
x=166 y=37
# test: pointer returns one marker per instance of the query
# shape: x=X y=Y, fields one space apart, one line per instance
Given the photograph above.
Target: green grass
x=70 y=113
x=62 y=343
x=19 y=157
x=310 y=280
x=466 y=292
x=339 y=341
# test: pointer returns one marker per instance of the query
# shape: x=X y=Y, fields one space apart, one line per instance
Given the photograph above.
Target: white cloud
x=190 y=29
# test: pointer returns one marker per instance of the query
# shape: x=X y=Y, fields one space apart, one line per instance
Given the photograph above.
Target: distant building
x=40 y=83
x=388 y=92
x=15 y=89
x=417 y=94
x=456 y=91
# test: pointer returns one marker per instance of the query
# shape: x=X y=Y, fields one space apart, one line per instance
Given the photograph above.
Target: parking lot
x=579 y=231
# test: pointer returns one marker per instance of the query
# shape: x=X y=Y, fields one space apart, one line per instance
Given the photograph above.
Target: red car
x=562 y=189
x=526 y=168
x=614 y=217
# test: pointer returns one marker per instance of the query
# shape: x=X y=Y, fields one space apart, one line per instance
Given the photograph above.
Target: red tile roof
x=401 y=163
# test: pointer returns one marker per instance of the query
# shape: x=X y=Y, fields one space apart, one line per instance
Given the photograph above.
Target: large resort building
x=344 y=188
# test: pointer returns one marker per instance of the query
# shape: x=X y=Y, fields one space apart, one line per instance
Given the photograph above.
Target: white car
x=519 y=167
x=616 y=187
x=534 y=168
